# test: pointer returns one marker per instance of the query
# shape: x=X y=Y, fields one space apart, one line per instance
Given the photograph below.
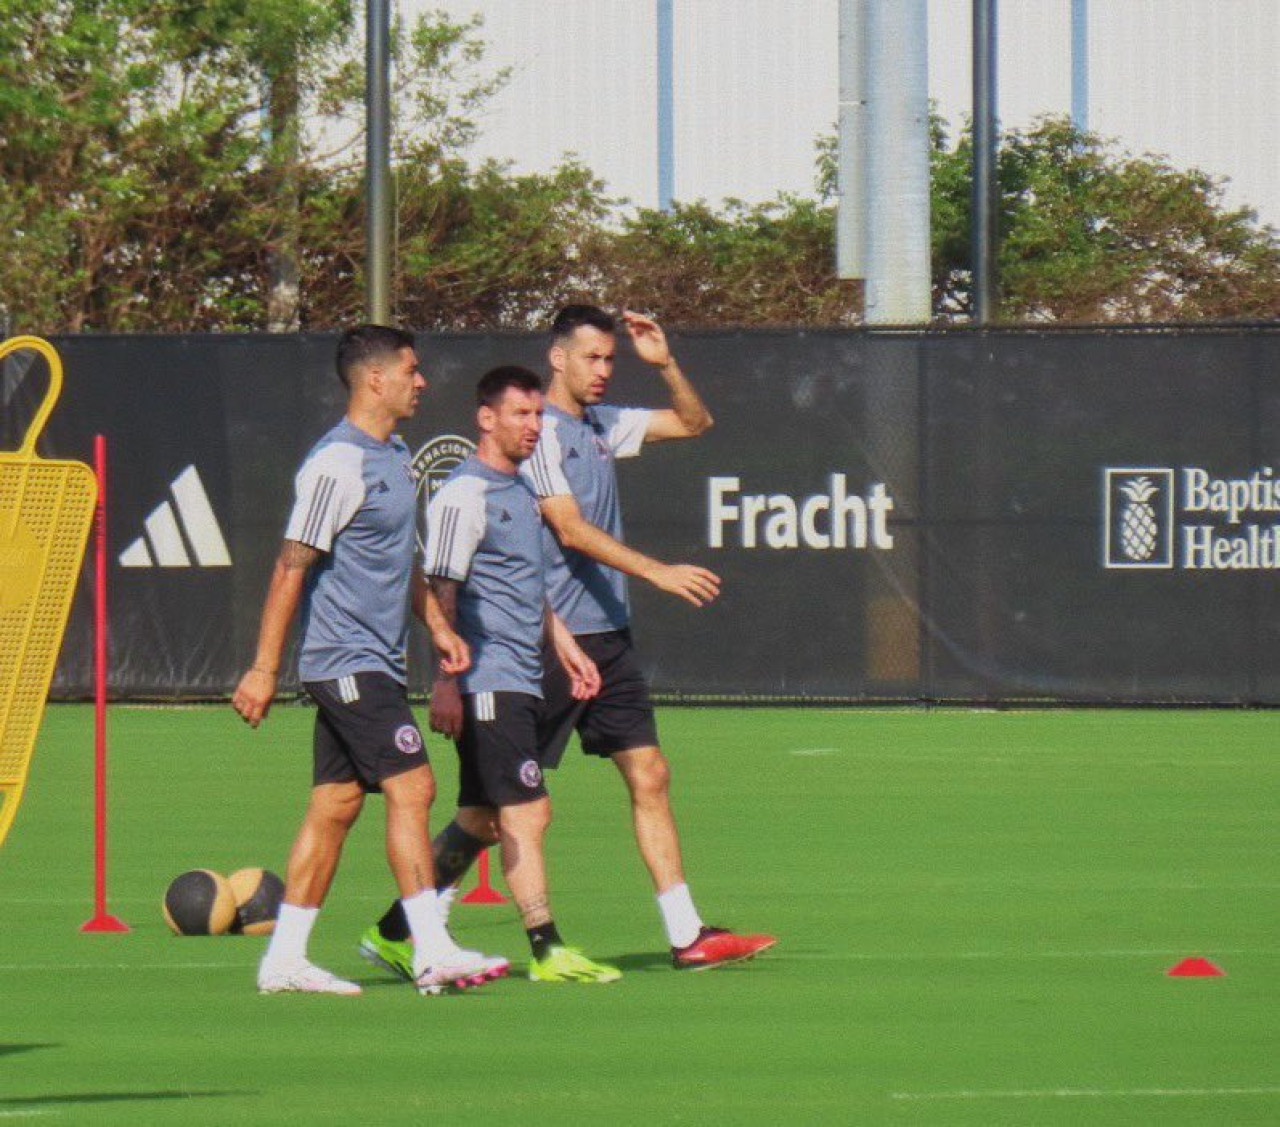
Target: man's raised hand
x=648 y=338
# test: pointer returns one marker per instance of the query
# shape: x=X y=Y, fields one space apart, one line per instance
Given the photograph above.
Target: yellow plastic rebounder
x=46 y=508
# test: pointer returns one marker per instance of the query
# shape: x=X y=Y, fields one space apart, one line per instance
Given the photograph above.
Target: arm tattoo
x=446 y=593
x=295 y=555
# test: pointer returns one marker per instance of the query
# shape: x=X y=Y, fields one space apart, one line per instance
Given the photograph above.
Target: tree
x=153 y=175
x=157 y=173
x=1088 y=234
x=741 y=264
x=1091 y=234
x=135 y=182
x=475 y=248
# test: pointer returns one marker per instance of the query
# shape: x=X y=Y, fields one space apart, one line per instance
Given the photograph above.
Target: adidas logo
x=171 y=529
x=506 y=517
x=572 y=454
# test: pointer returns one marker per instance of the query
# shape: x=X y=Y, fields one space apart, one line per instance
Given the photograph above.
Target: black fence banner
x=1085 y=516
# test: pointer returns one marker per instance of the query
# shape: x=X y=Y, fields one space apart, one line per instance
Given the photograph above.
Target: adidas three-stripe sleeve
x=455 y=527
x=329 y=490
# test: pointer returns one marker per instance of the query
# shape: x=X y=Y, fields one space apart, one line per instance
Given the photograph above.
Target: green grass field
x=976 y=912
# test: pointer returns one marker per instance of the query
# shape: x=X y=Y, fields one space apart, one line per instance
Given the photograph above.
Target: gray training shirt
x=355 y=499
x=484 y=530
x=576 y=456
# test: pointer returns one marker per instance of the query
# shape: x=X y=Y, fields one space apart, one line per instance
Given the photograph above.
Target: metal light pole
x=1080 y=64
x=985 y=185
x=377 y=225
x=852 y=141
x=666 y=105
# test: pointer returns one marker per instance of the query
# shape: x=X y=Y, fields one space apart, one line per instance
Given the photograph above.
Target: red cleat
x=715 y=946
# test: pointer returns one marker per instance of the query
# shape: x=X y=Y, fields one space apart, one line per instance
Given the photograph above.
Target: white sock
x=426 y=925
x=679 y=915
x=292 y=931
x=444 y=901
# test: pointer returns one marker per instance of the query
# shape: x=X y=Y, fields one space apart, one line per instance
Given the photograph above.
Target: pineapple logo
x=1138 y=529
x=1139 y=518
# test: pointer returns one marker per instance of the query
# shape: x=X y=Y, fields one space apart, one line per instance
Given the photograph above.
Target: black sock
x=454 y=851
x=395 y=924
x=543 y=937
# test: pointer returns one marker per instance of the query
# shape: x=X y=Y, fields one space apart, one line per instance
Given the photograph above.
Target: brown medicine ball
x=199 y=902
x=258 y=893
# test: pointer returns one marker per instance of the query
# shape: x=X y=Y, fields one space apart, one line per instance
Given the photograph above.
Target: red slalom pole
x=102 y=919
x=484 y=892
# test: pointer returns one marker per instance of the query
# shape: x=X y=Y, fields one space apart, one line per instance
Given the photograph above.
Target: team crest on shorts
x=530 y=773
x=408 y=739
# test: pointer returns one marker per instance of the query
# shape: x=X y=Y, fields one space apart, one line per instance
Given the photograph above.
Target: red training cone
x=484 y=892
x=1196 y=968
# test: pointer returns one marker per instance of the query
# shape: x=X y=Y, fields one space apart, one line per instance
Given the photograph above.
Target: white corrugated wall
x=756 y=84
x=1198 y=80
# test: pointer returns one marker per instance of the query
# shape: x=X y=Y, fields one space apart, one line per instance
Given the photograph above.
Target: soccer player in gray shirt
x=573 y=474
x=347 y=560
x=486 y=567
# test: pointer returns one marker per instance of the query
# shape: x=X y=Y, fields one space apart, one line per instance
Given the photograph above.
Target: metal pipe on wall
x=1080 y=64
x=851 y=145
x=666 y=105
x=378 y=163
x=985 y=186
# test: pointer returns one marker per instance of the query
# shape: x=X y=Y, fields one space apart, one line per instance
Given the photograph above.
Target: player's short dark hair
x=571 y=318
x=367 y=343
x=494 y=383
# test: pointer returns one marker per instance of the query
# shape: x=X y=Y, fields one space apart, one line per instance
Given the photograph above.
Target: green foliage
x=132 y=184
x=742 y=264
x=445 y=92
x=475 y=249
x=151 y=168
x=154 y=177
x=1090 y=234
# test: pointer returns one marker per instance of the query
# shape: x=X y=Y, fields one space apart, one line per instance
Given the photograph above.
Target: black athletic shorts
x=498 y=751
x=365 y=730
x=620 y=718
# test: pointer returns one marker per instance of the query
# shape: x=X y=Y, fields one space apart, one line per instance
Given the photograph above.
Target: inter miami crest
x=431 y=466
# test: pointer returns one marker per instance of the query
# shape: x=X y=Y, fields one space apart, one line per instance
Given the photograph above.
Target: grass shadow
x=641 y=960
x=11 y=1050
x=113 y=1098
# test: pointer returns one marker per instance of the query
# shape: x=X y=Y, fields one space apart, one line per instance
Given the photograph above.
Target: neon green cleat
x=397 y=957
x=568 y=964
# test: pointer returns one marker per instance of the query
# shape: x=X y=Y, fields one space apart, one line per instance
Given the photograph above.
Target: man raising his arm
x=573 y=474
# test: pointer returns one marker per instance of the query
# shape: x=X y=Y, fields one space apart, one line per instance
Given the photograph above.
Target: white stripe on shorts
x=484 y=707
x=348 y=690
